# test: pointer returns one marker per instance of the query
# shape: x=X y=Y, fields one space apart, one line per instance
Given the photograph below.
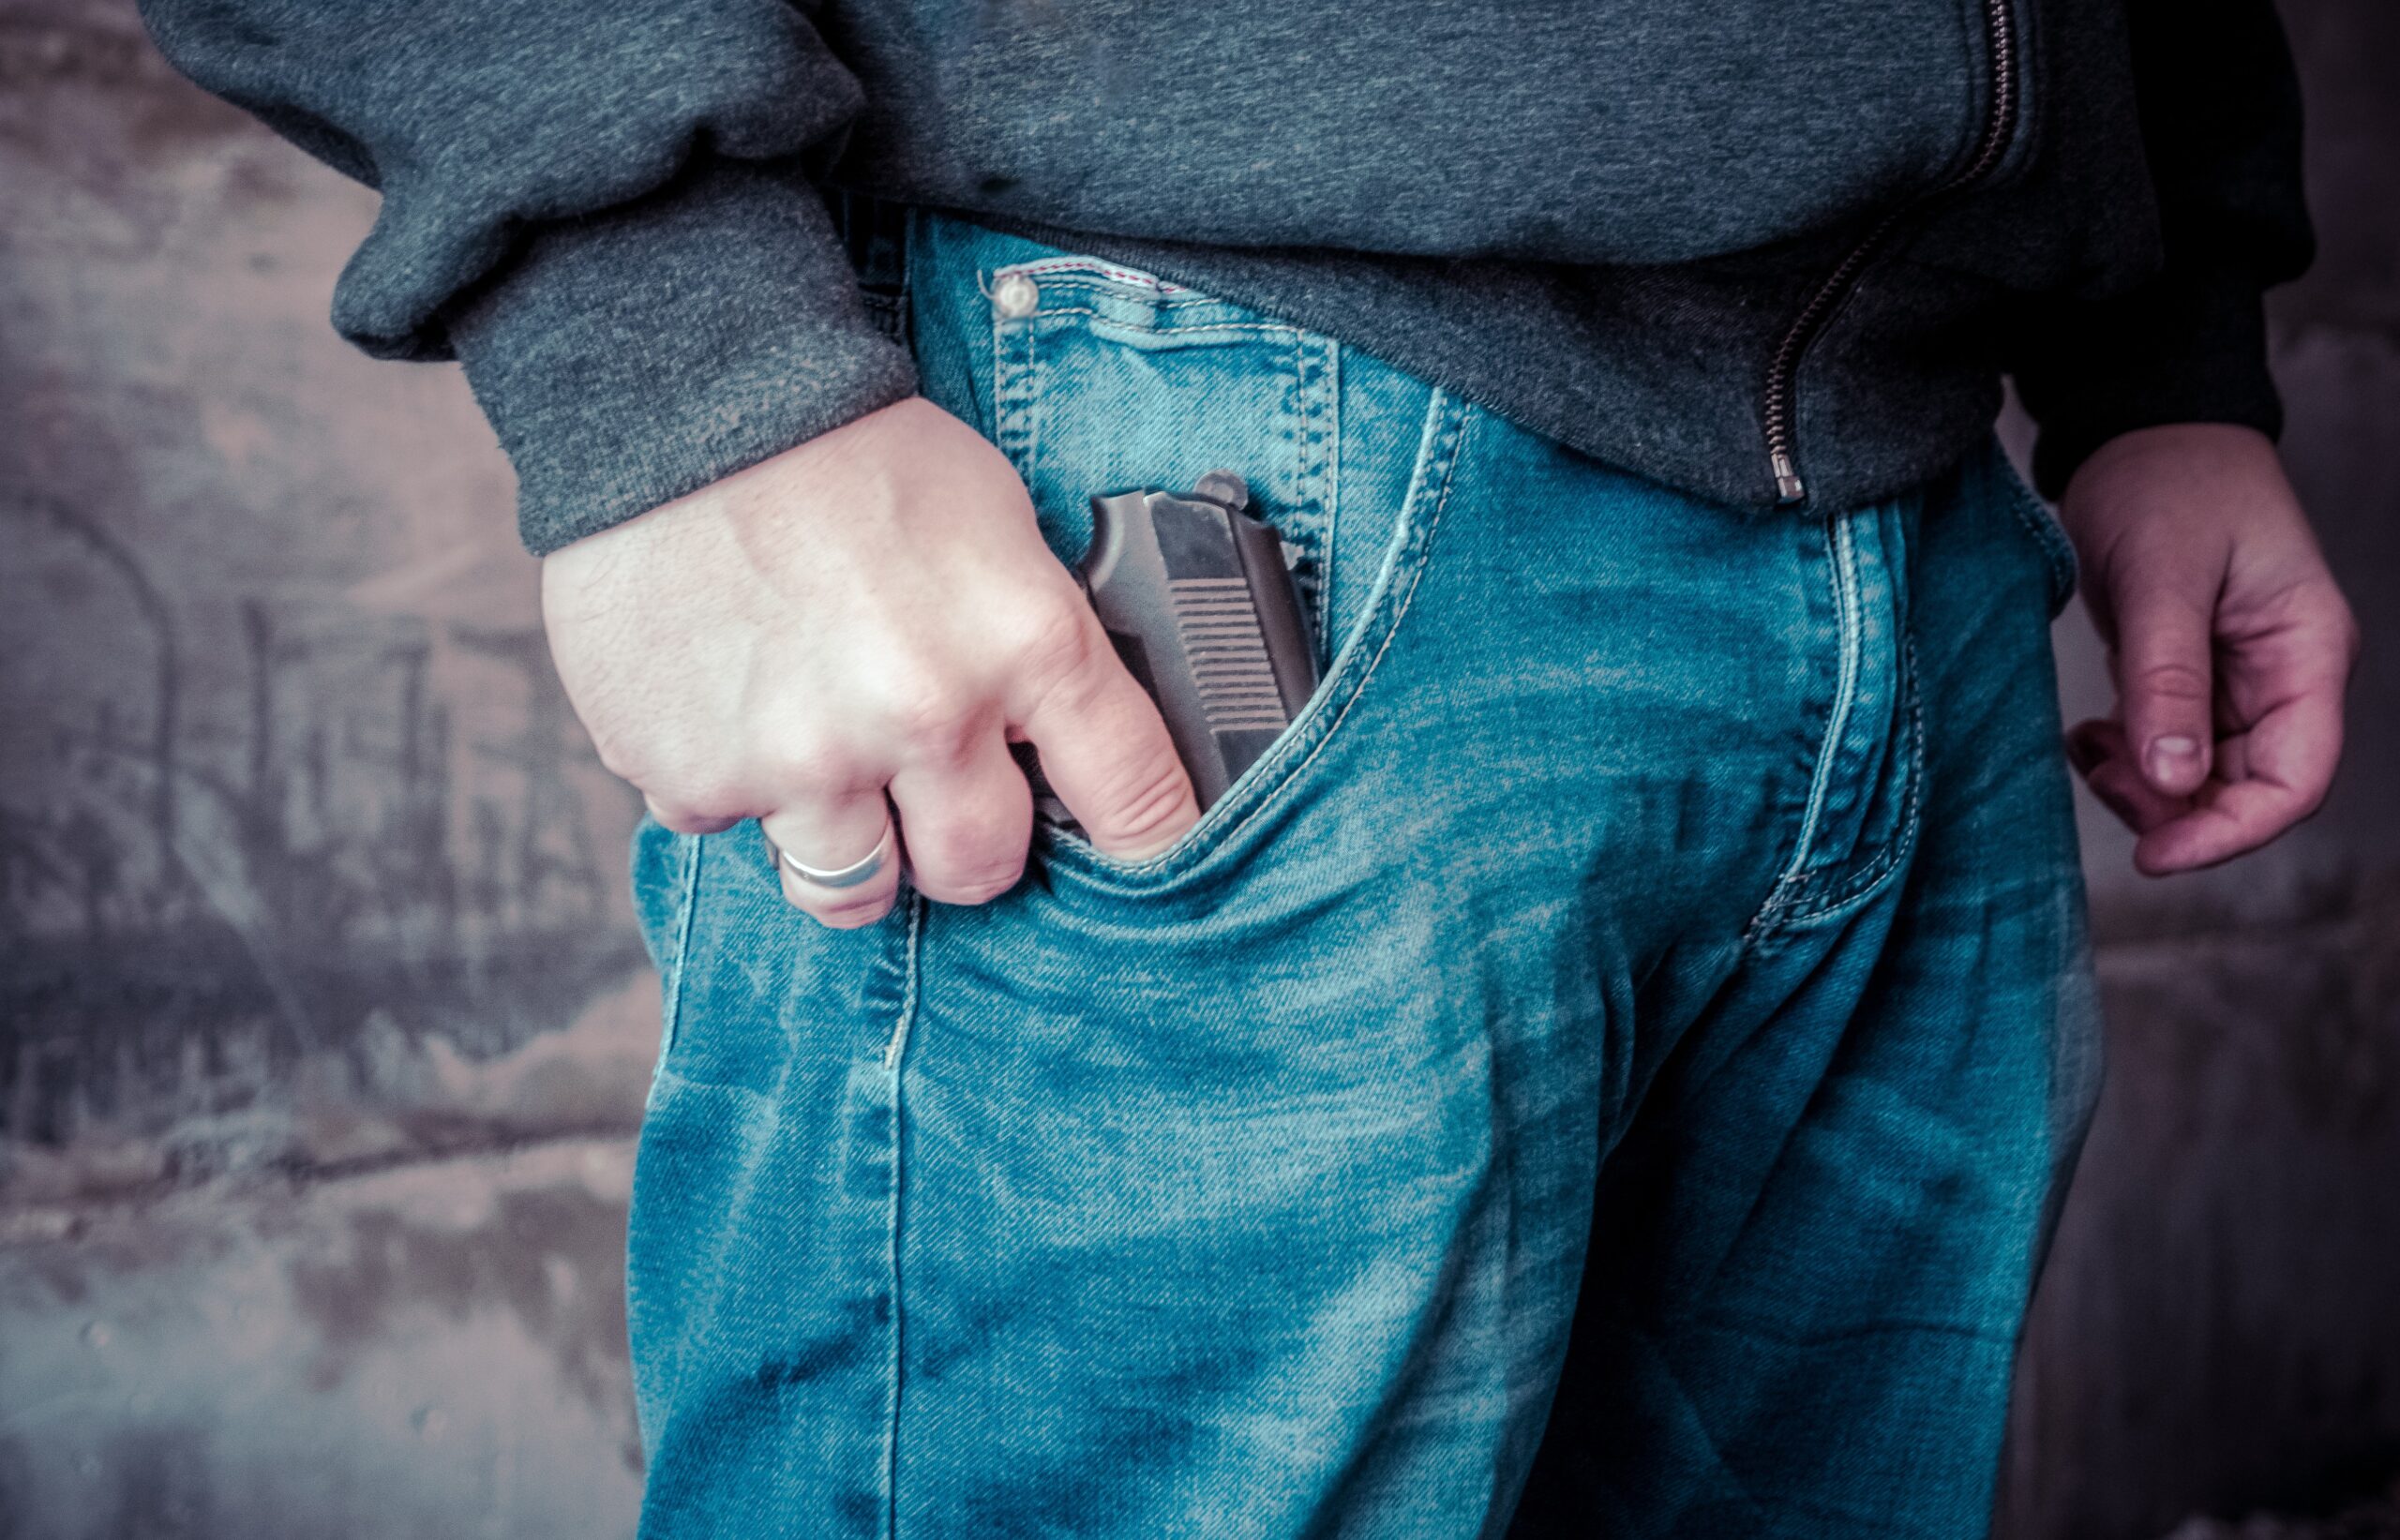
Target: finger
x=969 y=822
x=2163 y=676
x=2090 y=741
x=1106 y=753
x=2138 y=805
x=829 y=834
x=2271 y=778
x=2100 y=754
x=686 y=820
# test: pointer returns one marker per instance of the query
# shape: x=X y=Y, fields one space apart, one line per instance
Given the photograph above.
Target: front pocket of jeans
x=1110 y=382
x=1285 y=760
x=1105 y=381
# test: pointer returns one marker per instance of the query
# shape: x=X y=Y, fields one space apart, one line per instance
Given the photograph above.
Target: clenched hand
x=2231 y=643
x=851 y=631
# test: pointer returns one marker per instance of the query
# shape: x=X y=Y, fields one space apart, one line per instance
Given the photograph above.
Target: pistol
x=1199 y=599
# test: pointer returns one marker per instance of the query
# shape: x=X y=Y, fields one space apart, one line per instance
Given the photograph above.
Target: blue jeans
x=1607 y=1070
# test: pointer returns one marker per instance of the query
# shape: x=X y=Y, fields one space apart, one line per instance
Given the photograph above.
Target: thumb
x=1106 y=752
x=2164 y=679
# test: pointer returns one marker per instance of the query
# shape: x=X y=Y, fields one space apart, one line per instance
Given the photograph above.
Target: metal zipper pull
x=1779 y=404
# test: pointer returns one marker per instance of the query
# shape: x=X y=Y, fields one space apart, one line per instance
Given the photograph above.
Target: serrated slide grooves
x=1229 y=653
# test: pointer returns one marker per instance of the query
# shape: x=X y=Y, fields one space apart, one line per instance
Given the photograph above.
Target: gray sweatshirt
x=1771 y=252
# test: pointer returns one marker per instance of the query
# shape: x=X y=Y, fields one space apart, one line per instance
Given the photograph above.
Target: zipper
x=1778 y=407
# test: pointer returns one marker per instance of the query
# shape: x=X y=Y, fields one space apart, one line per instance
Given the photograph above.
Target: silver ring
x=860 y=870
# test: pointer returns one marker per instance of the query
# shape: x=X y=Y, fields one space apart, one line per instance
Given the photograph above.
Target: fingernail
x=2174 y=760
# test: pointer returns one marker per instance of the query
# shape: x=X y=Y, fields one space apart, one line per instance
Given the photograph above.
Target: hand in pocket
x=849 y=635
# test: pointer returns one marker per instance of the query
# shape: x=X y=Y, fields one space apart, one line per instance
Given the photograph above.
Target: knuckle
x=1056 y=643
x=1056 y=633
x=984 y=892
x=985 y=881
x=2179 y=682
x=707 y=794
x=695 y=801
x=851 y=916
x=927 y=709
x=935 y=717
x=968 y=867
x=620 y=759
x=713 y=794
x=681 y=820
x=808 y=757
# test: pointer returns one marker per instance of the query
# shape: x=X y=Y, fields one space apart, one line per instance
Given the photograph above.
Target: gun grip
x=1203 y=609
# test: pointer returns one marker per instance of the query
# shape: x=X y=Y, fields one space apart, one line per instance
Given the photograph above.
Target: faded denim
x=1619 y=1051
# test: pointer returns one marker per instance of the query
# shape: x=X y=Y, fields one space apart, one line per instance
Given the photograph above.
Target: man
x=1609 y=1067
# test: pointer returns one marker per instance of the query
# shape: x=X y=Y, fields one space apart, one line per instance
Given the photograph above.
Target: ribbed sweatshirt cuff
x=628 y=359
x=2186 y=347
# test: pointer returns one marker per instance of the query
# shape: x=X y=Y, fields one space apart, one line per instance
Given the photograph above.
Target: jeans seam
x=1093 y=273
x=688 y=907
x=1334 y=356
x=2056 y=552
x=2050 y=537
x=1789 y=900
x=1201 y=328
x=895 y=1058
x=1850 y=664
x=1317 y=363
x=1016 y=396
x=1391 y=633
x=1871 y=875
x=1842 y=579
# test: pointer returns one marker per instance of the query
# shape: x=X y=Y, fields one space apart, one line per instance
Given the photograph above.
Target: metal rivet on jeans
x=1015 y=295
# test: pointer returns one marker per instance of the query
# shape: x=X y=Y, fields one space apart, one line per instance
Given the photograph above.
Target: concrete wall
x=322 y=1025
x=323 y=1029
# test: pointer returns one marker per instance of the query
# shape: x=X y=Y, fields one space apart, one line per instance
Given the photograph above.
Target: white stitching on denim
x=1842 y=579
x=1847 y=604
x=1870 y=876
x=670 y=1011
x=1016 y=392
x=898 y=1043
x=1092 y=267
x=1024 y=448
x=1327 y=451
x=1796 y=905
x=894 y=1061
x=1200 y=328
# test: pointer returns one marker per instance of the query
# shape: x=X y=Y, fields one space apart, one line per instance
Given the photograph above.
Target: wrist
x=2173 y=470
x=629 y=360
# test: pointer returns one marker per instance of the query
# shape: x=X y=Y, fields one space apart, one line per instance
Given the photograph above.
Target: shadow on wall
x=292 y=813
x=323 y=1026
x=310 y=883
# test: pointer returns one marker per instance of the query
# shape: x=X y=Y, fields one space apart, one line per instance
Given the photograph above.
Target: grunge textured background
x=323 y=1031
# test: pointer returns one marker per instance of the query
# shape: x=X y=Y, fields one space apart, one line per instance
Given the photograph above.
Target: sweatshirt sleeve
x=2219 y=105
x=603 y=212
